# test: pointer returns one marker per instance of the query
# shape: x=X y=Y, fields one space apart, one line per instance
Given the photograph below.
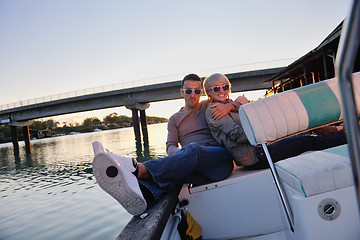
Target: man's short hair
x=191 y=77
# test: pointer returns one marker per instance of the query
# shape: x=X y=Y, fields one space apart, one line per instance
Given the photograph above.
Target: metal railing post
x=279 y=188
x=349 y=44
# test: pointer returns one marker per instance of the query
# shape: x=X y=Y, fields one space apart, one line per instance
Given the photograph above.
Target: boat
x=311 y=196
x=74 y=133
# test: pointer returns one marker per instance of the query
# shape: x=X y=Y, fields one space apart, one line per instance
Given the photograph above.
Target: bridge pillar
x=14 y=140
x=135 y=108
x=26 y=135
x=136 y=126
x=144 y=128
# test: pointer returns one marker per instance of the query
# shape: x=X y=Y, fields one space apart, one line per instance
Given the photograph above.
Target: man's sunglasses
x=224 y=87
x=189 y=91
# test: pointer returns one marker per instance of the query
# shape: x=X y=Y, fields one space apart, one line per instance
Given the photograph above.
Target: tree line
x=111 y=121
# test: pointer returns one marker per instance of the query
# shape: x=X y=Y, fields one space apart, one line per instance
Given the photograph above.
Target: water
x=52 y=193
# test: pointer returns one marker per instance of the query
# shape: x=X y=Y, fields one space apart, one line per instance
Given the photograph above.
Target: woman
x=229 y=132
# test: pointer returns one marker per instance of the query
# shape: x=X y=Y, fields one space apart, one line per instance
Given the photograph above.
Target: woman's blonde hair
x=209 y=81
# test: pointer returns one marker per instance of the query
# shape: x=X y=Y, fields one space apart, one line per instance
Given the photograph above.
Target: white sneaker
x=97 y=147
x=126 y=162
x=119 y=182
x=129 y=163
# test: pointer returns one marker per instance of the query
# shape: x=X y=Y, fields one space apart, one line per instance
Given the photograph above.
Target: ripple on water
x=52 y=194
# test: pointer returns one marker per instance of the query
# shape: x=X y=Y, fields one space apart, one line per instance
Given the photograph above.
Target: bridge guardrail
x=147 y=81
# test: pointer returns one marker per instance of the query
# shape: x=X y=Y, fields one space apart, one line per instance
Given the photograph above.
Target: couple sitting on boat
x=211 y=138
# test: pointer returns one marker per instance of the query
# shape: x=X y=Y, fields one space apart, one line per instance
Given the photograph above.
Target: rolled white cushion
x=294 y=110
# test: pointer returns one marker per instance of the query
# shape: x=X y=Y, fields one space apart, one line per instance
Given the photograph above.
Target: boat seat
x=309 y=174
x=293 y=111
x=317 y=172
x=238 y=173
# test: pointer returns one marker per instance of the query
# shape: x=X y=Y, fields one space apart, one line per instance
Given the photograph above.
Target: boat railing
x=282 y=195
x=151 y=224
x=348 y=48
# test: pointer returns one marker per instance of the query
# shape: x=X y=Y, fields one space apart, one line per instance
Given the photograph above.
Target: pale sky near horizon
x=51 y=47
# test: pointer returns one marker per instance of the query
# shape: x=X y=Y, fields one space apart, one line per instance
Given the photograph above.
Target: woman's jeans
x=294 y=146
x=191 y=164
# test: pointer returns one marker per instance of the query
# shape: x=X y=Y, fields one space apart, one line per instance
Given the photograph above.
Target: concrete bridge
x=137 y=99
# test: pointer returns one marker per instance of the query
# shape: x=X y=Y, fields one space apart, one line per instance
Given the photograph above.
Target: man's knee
x=193 y=146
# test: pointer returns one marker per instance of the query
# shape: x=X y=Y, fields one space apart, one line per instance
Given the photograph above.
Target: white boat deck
x=247 y=206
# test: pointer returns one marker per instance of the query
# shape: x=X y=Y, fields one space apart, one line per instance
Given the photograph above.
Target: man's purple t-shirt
x=189 y=126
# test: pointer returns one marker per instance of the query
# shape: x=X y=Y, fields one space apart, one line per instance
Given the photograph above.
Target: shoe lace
x=121 y=160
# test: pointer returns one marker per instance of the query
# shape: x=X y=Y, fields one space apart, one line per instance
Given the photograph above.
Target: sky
x=58 y=46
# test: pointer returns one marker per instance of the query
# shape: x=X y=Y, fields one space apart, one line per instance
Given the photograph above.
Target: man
x=201 y=158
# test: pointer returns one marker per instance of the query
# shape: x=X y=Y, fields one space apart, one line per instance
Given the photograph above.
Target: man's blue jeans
x=192 y=164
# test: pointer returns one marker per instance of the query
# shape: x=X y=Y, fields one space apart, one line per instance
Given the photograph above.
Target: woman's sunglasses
x=189 y=91
x=224 y=87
